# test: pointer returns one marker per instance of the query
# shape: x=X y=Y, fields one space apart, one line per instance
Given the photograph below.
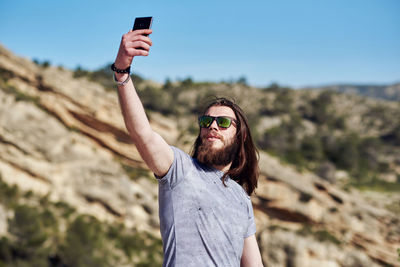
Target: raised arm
x=156 y=153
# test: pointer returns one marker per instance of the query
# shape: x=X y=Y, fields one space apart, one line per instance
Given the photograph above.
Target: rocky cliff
x=391 y=92
x=64 y=137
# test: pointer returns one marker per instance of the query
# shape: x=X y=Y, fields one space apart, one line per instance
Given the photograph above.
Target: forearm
x=154 y=150
x=132 y=110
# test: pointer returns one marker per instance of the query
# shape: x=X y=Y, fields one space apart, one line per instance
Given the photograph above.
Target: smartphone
x=142 y=23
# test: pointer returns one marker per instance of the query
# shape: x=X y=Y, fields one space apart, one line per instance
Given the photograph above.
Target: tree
x=28 y=229
x=242 y=80
x=84 y=243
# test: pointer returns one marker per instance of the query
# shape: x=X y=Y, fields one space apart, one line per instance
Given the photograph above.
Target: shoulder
x=180 y=154
x=243 y=194
x=181 y=165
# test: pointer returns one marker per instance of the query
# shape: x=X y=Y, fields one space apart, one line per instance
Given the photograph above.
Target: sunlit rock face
x=65 y=137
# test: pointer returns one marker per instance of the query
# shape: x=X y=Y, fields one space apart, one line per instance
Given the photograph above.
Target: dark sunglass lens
x=223 y=122
x=205 y=121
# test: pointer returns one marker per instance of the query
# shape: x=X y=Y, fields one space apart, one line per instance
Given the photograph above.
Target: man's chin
x=215 y=145
x=216 y=153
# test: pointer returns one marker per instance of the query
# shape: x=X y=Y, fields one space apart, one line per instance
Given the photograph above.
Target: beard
x=223 y=156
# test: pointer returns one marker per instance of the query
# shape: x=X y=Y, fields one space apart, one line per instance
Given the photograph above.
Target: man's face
x=214 y=136
x=218 y=145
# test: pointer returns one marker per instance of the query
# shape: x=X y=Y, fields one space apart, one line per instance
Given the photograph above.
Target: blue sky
x=294 y=43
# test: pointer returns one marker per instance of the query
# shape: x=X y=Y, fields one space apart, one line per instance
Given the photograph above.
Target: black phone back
x=142 y=23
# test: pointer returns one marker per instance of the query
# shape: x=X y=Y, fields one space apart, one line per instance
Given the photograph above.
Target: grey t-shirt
x=202 y=222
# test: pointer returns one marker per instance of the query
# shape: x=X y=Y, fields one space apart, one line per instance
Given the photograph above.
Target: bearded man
x=206 y=215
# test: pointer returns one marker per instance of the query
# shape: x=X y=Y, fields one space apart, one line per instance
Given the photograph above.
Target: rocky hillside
x=64 y=151
x=386 y=92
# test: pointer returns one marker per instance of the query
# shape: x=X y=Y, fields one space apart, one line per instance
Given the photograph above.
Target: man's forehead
x=220 y=111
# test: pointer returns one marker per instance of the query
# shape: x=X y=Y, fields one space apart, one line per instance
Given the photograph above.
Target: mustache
x=213 y=134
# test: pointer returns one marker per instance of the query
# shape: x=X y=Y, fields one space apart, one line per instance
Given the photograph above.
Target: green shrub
x=84 y=243
x=21 y=96
x=5 y=251
x=35 y=238
x=393 y=136
x=283 y=103
x=311 y=148
x=8 y=194
x=136 y=172
x=156 y=99
x=28 y=229
x=320 y=235
x=65 y=209
x=137 y=245
x=374 y=183
x=320 y=112
x=323 y=235
x=80 y=72
x=284 y=141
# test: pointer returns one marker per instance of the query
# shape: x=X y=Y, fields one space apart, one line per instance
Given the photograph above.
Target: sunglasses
x=224 y=122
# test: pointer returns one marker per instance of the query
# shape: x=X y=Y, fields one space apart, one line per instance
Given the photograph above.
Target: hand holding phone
x=125 y=55
x=142 y=23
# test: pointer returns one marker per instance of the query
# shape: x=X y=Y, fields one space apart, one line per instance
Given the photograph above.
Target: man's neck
x=224 y=169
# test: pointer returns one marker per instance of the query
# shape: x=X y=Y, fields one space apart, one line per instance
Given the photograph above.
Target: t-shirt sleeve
x=251 y=229
x=177 y=171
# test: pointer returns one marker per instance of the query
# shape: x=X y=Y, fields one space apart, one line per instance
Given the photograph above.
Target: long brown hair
x=244 y=168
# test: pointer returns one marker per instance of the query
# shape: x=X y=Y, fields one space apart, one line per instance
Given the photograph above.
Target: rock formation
x=65 y=138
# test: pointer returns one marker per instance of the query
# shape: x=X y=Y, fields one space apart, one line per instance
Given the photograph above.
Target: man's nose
x=214 y=125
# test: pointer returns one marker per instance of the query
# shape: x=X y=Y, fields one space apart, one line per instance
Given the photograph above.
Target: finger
x=143 y=31
x=148 y=41
x=144 y=53
x=136 y=45
x=138 y=52
x=129 y=38
x=142 y=38
x=141 y=44
x=135 y=34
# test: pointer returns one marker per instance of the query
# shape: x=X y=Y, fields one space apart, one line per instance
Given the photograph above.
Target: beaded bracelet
x=127 y=70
